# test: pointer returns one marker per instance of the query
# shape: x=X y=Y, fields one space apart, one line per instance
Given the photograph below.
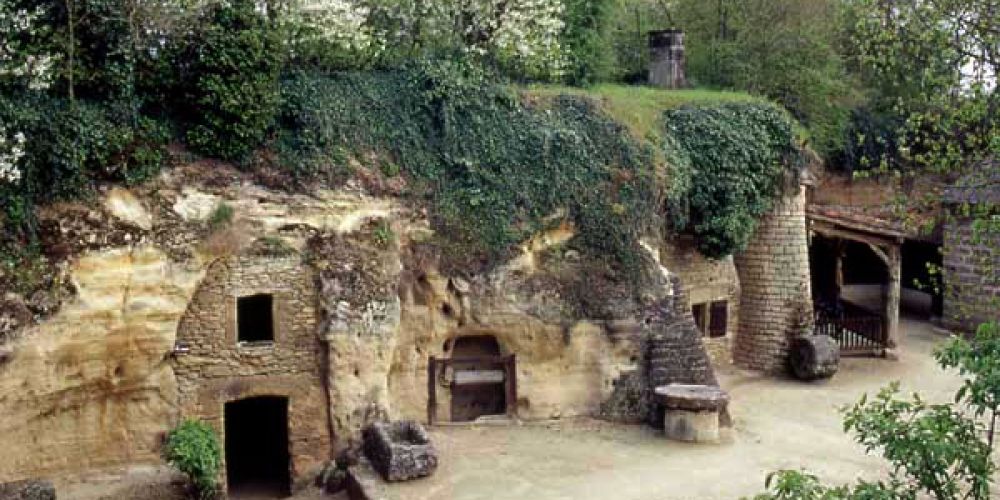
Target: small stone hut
x=249 y=362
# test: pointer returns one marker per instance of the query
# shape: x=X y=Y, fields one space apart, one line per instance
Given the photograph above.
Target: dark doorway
x=255 y=318
x=257 y=460
x=478 y=386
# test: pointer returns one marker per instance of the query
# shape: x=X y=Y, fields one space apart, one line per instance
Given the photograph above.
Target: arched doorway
x=477 y=387
x=257 y=455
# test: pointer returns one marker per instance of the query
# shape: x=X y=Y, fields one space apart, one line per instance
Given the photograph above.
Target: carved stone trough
x=400 y=450
x=691 y=412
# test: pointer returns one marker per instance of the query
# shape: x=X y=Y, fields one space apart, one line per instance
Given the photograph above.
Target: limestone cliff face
x=99 y=381
x=90 y=386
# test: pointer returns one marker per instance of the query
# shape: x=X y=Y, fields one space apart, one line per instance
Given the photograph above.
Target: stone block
x=400 y=450
x=691 y=426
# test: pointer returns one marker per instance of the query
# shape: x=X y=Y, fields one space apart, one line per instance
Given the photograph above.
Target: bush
x=193 y=448
x=235 y=59
x=70 y=146
x=493 y=169
x=738 y=156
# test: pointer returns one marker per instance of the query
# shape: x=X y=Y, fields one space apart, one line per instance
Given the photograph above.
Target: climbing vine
x=493 y=169
x=496 y=166
x=730 y=162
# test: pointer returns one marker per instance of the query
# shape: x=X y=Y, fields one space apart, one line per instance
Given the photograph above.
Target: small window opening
x=711 y=318
x=255 y=318
x=719 y=315
x=698 y=311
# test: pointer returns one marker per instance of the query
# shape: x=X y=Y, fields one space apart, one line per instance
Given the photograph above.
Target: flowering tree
x=11 y=152
x=19 y=62
x=524 y=33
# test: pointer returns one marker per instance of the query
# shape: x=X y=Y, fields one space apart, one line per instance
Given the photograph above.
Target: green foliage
x=193 y=448
x=383 y=235
x=641 y=108
x=978 y=363
x=494 y=170
x=585 y=40
x=934 y=448
x=932 y=66
x=235 y=59
x=739 y=155
x=73 y=145
x=221 y=217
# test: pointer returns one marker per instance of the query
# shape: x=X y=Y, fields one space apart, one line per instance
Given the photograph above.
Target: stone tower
x=775 y=292
x=666 y=59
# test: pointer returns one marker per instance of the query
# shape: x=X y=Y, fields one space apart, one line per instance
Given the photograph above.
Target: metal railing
x=856 y=330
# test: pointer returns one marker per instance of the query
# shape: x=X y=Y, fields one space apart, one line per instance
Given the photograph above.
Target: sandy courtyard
x=777 y=424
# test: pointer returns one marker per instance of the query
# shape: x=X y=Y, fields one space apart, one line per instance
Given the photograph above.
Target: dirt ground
x=777 y=424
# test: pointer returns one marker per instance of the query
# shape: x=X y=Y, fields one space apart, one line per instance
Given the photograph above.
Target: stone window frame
x=278 y=300
x=704 y=323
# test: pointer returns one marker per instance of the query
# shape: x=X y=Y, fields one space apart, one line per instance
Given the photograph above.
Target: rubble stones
x=34 y=489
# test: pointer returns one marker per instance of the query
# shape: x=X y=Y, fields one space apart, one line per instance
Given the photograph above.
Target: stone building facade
x=711 y=291
x=972 y=275
x=213 y=367
x=775 y=296
x=972 y=249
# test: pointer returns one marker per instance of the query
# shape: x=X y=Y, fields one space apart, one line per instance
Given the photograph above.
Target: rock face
x=400 y=450
x=358 y=305
x=91 y=385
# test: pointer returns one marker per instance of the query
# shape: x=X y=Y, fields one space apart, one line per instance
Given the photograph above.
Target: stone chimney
x=666 y=59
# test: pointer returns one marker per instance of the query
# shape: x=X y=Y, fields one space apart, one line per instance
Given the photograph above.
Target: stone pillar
x=666 y=59
x=775 y=297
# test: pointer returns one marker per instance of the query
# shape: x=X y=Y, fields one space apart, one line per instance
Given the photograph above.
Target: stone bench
x=691 y=412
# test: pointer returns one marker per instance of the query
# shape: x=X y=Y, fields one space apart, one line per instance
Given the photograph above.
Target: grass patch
x=641 y=108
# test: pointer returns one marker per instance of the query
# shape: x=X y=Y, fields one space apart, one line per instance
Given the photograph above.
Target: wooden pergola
x=886 y=242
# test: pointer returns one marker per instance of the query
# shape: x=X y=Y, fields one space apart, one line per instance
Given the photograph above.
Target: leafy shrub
x=70 y=146
x=235 y=59
x=221 y=217
x=738 y=155
x=493 y=169
x=193 y=448
x=586 y=41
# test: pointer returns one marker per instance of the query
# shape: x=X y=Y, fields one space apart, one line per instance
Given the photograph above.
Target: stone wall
x=703 y=281
x=775 y=296
x=971 y=276
x=217 y=369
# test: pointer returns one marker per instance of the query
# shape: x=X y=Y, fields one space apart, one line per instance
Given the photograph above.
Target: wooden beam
x=431 y=390
x=883 y=232
x=833 y=231
x=881 y=254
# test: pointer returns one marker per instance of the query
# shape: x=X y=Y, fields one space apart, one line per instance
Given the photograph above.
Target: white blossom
x=343 y=23
x=36 y=69
x=11 y=152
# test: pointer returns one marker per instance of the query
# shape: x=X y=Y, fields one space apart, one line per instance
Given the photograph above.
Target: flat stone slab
x=691 y=397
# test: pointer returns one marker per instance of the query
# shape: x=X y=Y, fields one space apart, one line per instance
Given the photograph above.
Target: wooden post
x=511 y=386
x=839 y=249
x=431 y=391
x=892 y=257
x=892 y=297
